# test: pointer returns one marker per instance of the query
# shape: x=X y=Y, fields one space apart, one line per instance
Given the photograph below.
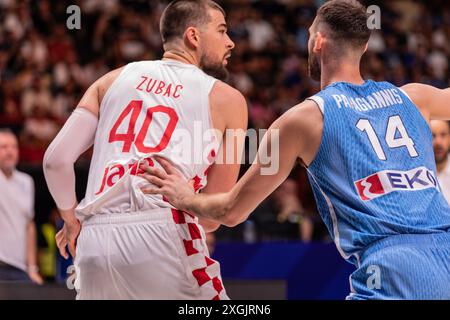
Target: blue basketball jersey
x=374 y=174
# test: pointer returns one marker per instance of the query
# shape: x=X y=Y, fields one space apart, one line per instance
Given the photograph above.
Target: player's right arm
x=76 y=136
x=296 y=134
x=432 y=102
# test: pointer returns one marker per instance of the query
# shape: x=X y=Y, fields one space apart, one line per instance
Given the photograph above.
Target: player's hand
x=169 y=183
x=68 y=236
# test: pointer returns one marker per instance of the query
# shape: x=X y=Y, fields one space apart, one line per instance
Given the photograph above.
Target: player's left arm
x=296 y=134
x=432 y=102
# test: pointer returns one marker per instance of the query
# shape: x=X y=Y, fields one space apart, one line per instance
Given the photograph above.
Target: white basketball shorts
x=158 y=254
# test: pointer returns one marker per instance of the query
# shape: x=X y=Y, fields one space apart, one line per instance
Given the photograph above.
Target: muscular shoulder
x=419 y=94
x=303 y=116
x=223 y=94
x=93 y=96
x=106 y=81
x=303 y=124
x=228 y=103
x=415 y=91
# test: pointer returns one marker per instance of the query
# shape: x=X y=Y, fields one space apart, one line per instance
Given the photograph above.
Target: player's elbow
x=209 y=226
x=52 y=160
x=50 y=163
x=230 y=223
x=212 y=227
x=229 y=216
x=230 y=220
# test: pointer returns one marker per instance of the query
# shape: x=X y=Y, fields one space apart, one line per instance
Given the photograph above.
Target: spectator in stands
x=18 y=254
x=441 y=146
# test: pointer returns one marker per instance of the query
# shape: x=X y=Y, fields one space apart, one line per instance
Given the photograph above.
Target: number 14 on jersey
x=395 y=125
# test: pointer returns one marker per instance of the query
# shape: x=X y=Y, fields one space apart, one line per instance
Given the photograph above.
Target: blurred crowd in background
x=45 y=68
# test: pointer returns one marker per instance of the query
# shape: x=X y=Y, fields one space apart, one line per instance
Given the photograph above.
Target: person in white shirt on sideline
x=441 y=146
x=18 y=258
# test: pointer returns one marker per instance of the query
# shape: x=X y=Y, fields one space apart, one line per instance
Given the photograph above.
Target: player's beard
x=314 y=67
x=213 y=68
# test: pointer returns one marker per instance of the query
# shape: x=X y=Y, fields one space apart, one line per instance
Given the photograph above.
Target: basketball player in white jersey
x=134 y=246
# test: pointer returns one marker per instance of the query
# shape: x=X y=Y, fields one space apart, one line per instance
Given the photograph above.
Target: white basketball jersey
x=153 y=107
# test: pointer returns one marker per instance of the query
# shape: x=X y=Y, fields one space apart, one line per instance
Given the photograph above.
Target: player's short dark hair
x=346 y=21
x=181 y=14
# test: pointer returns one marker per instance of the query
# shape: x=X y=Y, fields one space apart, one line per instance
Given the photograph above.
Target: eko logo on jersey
x=387 y=181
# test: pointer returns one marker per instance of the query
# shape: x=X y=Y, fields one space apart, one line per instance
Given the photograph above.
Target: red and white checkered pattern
x=205 y=270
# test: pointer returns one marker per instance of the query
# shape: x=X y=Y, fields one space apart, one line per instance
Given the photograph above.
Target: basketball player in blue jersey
x=367 y=147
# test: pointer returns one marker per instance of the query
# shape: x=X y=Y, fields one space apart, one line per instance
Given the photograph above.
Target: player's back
x=152 y=107
x=374 y=174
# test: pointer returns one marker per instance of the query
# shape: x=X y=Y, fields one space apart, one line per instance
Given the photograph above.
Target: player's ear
x=366 y=47
x=318 y=42
x=192 y=37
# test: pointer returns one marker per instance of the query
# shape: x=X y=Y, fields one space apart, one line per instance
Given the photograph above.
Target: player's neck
x=180 y=55
x=340 y=71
